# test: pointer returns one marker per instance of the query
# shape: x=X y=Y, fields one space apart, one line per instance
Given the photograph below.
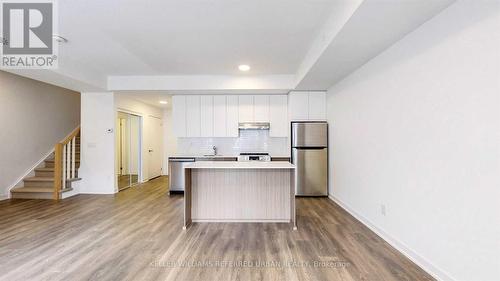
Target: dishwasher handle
x=182 y=160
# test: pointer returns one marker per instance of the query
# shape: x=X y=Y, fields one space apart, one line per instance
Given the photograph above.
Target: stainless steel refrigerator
x=310 y=155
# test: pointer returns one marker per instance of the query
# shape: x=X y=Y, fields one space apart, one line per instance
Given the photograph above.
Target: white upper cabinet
x=245 y=108
x=193 y=116
x=317 y=106
x=219 y=116
x=261 y=108
x=307 y=106
x=179 y=115
x=232 y=116
x=207 y=116
x=278 y=116
x=298 y=106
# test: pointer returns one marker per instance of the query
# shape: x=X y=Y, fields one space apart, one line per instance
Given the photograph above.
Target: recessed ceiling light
x=244 y=67
x=59 y=38
x=163 y=102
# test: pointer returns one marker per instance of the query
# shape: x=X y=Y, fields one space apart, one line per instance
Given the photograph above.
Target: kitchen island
x=254 y=191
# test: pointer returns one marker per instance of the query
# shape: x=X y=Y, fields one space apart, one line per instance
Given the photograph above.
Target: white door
x=154 y=147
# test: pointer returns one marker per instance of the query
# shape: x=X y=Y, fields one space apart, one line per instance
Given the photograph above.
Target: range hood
x=253 y=126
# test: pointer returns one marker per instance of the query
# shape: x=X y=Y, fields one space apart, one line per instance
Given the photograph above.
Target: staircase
x=59 y=172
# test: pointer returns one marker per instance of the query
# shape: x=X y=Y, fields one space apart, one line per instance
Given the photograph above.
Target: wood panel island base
x=239 y=192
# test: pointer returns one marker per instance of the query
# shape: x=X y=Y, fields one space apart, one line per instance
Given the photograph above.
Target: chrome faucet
x=215 y=149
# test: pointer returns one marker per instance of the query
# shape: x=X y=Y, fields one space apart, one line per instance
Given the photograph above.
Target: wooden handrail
x=64 y=162
x=71 y=136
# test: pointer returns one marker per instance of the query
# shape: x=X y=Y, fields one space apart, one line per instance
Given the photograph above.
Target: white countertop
x=219 y=156
x=203 y=156
x=240 y=165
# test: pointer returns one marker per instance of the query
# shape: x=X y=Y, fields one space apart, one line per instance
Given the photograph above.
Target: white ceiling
x=196 y=45
x=189 y=37
x=151 y=97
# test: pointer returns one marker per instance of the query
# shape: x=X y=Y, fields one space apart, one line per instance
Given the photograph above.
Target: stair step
x=35 y=192
x=32 y=189
x=49 y=163
x=47 y=172
x=39 y=182
x=73 y=180
x=44 y=172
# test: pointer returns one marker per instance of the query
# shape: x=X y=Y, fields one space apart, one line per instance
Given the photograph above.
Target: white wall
x=418 y=130
x=97 y=144
x=33 y=117
x=133 y=106
x=169 y=140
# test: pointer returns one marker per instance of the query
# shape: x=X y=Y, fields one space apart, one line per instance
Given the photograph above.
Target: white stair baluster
x=68 y=161
x=73 y=152
x=64 y=168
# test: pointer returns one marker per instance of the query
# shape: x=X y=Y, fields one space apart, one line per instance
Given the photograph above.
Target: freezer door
x=312 y=171
x=310 y=134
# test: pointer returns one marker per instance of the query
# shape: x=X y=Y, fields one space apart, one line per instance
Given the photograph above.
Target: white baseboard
x=28 y=172
x=398 y=245
x=4 y=197
x=97 y=193
x=71 y=193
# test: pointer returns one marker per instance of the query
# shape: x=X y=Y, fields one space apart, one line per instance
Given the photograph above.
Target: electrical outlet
x=382 y=209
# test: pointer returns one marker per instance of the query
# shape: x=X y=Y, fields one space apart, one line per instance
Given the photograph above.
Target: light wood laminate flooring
x=137 y=235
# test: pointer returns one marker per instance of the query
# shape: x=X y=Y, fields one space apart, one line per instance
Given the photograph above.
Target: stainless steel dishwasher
x=176 y=173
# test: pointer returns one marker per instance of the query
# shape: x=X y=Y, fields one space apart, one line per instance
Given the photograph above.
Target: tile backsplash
x=248 y=141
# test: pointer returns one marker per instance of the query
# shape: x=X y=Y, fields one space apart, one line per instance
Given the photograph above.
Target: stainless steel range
x=254 y=156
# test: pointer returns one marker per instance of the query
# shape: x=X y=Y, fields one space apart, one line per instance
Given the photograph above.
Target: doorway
x=128 y=149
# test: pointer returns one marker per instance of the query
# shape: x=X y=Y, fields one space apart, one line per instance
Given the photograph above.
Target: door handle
x=150 y=150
